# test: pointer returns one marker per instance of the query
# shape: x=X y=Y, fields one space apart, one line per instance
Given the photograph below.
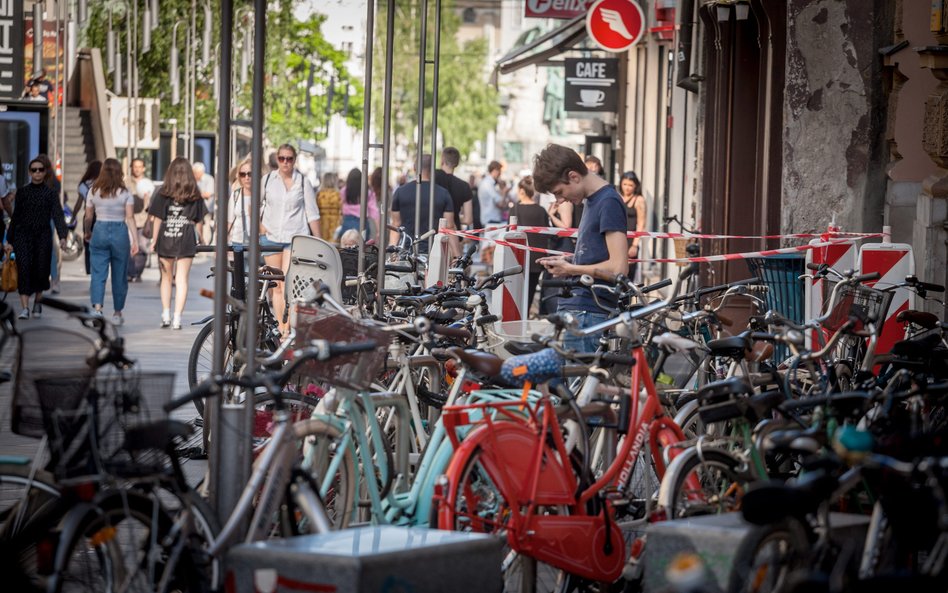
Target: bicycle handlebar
x=321 y=350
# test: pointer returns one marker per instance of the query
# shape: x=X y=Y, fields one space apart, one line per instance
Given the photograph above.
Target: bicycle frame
x=588 y=545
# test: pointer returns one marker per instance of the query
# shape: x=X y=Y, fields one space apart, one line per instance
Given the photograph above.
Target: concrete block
x=368 y=560
x=716 y=538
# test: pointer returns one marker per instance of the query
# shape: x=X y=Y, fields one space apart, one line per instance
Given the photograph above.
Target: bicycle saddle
x=770 y=502
x=519 y=348
x=537 y=368
x=482 y=363
x=159 y=435
x=732 y=347
x=919 y=318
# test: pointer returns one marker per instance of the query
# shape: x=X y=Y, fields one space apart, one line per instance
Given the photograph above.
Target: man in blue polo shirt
x=601 y=244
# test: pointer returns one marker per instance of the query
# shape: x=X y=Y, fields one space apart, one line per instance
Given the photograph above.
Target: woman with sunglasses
x=238 y=214
x=31 y=236
x=289 y=208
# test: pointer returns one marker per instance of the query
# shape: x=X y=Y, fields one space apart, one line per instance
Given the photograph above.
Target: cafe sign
x=591 y=84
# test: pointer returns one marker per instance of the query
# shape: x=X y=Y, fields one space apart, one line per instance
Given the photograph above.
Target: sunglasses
x=286 y=159
x=37 y=170
x=243 y=174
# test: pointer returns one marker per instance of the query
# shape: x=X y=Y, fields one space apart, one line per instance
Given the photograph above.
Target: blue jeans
x=584 y=319
x=109 y=247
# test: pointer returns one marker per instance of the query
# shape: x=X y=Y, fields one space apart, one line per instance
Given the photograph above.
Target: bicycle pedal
x=193 y=453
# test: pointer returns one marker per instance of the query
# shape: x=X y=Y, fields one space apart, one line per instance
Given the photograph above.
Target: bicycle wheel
x=29 y=507
x=201 y=359
x=320 y=444
x=202 y=528
x=480 y=507
x=23 y=496
x=720 y=478
x=119 y=546
x=768 y=556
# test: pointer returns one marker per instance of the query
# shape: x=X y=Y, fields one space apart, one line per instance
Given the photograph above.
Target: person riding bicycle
x=601 y=245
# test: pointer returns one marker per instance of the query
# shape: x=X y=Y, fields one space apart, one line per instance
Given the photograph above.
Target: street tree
x=301 y=66
x=468 y=104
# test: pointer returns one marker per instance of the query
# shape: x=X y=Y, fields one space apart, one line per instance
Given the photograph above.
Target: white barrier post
x=840 y=257
x=893 y=261
x=511 y=298
x=438 y=257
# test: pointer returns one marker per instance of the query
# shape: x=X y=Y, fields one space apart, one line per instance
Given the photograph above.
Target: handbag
x=148 y=230
x=8 y=276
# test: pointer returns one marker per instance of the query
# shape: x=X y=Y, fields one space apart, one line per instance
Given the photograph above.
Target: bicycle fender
x=666 y=490
x=68 y=527
x=203 y=321
x=686 y=412
x=422 y=513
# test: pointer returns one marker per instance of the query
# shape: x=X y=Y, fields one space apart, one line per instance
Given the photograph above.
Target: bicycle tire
x=28 y=508
x=784 y=546
x=679 y=502
x=107 y=546
x=319 y=443
x=489 y=515
x=200 y=359
x=206 y=528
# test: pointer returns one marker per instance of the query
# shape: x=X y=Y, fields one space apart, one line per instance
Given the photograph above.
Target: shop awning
x=543 y=48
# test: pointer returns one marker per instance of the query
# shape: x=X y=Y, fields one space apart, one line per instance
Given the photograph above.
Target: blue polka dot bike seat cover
x=537 y=368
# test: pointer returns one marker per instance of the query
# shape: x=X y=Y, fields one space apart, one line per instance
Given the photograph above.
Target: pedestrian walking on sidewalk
x=289 y=208
x=30 y=236
x=85 y=184
x=114 y=239
x=142 y=188
x=178 y=212
x=630 y=188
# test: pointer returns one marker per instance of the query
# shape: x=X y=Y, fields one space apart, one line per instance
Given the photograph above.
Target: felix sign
x=615 y=25
x=11 y=48
x=555 y=9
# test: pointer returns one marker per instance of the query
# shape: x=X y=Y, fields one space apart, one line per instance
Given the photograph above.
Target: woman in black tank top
x=630 y=188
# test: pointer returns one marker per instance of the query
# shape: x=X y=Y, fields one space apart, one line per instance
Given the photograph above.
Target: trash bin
x=781 y=275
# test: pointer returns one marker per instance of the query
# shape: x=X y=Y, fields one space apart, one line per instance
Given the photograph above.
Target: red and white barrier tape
x=680 y=260
x=542 y=230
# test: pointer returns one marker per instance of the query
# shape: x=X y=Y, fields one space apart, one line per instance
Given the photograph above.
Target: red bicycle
x=511 y=473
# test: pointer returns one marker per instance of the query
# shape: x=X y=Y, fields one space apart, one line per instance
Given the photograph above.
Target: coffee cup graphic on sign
x=592 y=97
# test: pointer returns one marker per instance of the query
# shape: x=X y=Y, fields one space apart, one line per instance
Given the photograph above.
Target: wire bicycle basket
x=866 y=304
x=353 y=371
x=86 y=420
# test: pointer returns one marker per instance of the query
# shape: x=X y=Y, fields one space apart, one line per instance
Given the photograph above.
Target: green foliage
x=291 y=46
x=468 y=105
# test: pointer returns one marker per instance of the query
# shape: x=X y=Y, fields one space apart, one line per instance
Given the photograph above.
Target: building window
x=469 y=16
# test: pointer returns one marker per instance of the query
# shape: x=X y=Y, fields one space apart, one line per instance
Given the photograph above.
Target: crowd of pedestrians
x=130 y=219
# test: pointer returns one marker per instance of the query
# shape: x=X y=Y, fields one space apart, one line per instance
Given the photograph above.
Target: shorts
x=266 y=242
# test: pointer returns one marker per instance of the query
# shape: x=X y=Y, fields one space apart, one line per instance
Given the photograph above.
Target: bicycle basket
x=86 y=419
x=353 y=371
x=46 y=352
x=866 y=304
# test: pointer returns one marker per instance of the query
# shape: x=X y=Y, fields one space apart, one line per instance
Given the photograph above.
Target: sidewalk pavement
x=153 y=348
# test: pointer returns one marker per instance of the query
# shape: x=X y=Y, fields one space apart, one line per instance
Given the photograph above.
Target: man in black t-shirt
x=403 y=206
x=461 y=196
x=460 y=191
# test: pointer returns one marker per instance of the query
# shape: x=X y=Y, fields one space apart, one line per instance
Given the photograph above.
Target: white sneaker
x=97 y=312
x=24 y=314
x=176 y=324
x=165 y=321
x=117 y=319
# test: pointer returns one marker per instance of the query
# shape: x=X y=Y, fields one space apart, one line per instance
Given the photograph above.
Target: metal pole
x=233 y=448
x=434 y=111
x=366 y=129
x=55 y=107
x=422 y=50
x=192 y=73
x=37 y=37
x=129 y=113
x=64 y=19
x=134 y=88
x=386 y=152
x=256 y=156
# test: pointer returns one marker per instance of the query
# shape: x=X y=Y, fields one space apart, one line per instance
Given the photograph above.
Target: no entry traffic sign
x=615 y=25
